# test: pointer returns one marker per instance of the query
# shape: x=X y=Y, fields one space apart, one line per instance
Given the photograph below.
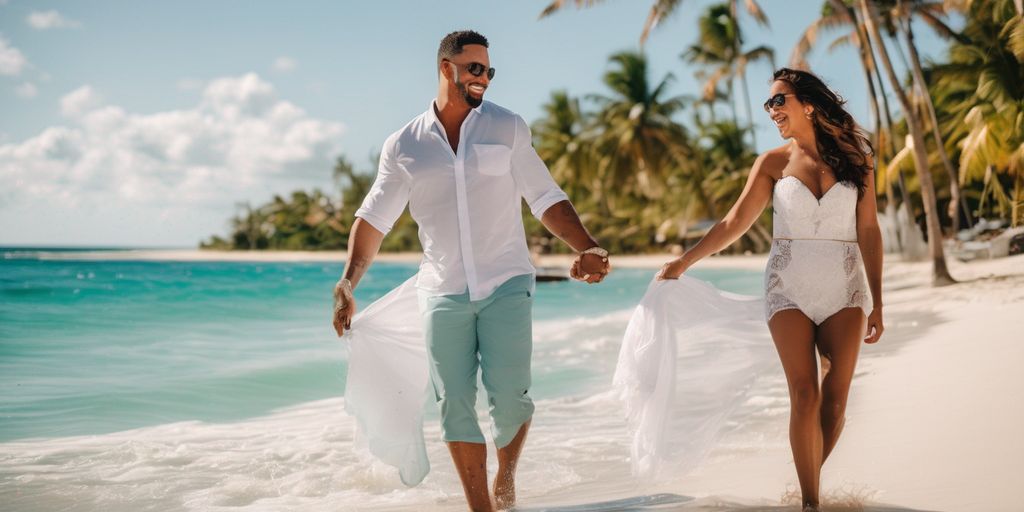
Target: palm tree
x=837 y=14
x=719 y=48
x=249 y=227
x=563 y=144
x=930 y=12
x=660 y=9
x=940 y=273
x=725 y=164
x=980 y=95
x=643 y=153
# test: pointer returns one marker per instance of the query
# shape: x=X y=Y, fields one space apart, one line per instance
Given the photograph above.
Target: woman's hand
x=672 y=269
x=875 y=327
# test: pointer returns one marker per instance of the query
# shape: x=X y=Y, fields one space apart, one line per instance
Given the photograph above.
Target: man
x=462 y=167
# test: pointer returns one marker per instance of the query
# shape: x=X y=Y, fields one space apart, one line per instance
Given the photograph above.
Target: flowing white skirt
x=388 y=381
x=688 y=357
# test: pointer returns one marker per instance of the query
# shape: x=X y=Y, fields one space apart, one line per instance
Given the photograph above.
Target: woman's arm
x=869 y=238
x=752 y=201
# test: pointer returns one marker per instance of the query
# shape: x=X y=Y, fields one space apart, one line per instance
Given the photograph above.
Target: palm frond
x=810 y=37
x=842 y=42
x=756 y=12
x=557 y=5
x=659 y=11
x=1013 y=32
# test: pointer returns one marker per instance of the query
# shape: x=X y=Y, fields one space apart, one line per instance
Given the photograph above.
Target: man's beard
x=472 y=101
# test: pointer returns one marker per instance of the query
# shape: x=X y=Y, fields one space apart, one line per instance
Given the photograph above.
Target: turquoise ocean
x=162 y=385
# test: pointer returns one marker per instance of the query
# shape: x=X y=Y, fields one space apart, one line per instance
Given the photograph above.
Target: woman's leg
x=793 y=334
x=839 y=339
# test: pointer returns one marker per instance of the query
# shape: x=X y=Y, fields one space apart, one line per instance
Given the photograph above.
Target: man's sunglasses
x=477 y=69
x=776 y=101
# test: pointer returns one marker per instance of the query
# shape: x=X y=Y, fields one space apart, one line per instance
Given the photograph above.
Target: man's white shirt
x=467 y=203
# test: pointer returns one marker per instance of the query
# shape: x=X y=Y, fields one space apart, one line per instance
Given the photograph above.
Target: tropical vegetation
x=650 y=169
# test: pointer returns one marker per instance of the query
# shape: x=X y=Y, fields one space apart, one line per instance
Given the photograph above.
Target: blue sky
x=144 y=123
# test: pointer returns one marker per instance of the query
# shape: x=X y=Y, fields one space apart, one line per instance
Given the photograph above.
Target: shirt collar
x=432 y=113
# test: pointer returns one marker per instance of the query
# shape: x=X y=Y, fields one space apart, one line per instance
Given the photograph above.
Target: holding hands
x=591 y=265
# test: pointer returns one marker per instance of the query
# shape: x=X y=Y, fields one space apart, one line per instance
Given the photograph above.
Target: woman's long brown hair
x=842 y=144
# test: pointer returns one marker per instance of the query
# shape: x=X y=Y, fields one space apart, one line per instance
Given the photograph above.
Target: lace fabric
x=815 y=264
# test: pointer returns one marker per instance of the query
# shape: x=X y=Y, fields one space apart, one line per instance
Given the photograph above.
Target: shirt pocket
x=492 y=159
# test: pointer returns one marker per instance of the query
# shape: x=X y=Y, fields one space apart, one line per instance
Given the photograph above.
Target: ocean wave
x=300 y=457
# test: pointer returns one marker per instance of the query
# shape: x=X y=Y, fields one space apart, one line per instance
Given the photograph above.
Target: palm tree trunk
x=884 y=127
x=732 y=101
x=940 y=273
x=954 y=180
x=1016 y=216
x=862 y=33
x=750 y=114
x=864 y=52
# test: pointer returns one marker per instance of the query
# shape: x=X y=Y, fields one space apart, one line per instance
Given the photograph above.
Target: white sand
x=934 y=418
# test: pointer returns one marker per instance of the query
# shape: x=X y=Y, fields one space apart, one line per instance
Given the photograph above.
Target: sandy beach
x=553 y=260
x=932 y=419
x=932 y=422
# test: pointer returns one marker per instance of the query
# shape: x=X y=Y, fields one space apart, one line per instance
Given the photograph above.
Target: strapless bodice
x=799 y=215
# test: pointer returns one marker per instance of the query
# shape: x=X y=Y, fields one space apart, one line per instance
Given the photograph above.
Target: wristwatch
x=603 y=253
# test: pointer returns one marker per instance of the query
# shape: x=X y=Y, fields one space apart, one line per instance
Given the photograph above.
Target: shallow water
x=194 y=386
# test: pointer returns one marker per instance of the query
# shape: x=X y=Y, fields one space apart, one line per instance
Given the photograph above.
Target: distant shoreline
x=750 y=262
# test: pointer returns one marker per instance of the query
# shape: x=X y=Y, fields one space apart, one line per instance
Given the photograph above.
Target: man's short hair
x=452 y=44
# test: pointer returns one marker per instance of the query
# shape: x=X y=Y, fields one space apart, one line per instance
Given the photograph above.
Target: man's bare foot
x=504 y=491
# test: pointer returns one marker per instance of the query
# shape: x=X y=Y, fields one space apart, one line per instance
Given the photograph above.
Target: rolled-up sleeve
x=531 y=175
x=389 y=194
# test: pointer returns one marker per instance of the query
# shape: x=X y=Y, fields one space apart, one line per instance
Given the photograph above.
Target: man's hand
x=344 y=306
x=590 y=268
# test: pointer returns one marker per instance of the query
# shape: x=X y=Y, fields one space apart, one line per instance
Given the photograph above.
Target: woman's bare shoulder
x=772 y=162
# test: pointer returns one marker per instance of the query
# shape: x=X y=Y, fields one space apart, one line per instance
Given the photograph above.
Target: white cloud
x=285 y=64
x=44 y=20
x=239 y=142
x=77 y=102
x=26 y=90
x=11 y=59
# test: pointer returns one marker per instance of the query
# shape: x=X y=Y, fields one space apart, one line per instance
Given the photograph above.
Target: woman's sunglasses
x=477 y=69
x=776 y=101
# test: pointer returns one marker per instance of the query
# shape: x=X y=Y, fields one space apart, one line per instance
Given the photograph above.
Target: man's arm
x=363 y=244
x=381 y=207
x=562 y=221
x=552 y=207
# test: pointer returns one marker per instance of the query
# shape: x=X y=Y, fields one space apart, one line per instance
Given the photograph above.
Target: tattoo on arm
x=562 y=221
x=356 y=268
x=567 y=218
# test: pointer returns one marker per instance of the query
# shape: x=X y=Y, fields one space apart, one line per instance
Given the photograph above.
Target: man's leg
x=471 y=462
x=505 y=334
x=508 y=459
x=450 y=329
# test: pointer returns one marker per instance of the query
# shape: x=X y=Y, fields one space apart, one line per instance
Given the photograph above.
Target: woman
x=821 y=184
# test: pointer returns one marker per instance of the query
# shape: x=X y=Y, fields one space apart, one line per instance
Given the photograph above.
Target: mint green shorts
x=492 y=335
